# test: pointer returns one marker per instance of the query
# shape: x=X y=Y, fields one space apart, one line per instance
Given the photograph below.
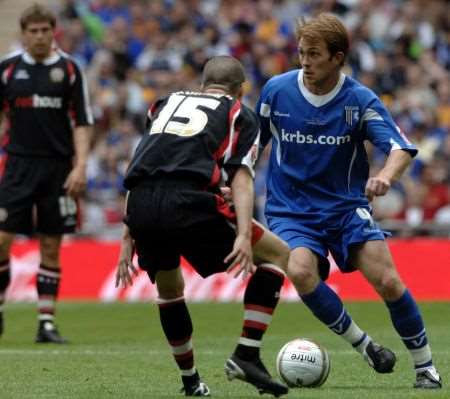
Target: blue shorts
x=333 y=233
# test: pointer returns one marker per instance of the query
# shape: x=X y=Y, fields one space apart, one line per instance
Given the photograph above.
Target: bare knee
x=303 y=274
x=273 y=250
x=280 y=257
x=168 y=292
x=389 y=285
x=170 y=284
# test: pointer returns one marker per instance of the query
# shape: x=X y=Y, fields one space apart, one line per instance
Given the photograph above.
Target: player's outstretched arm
x=242 y=194
x=395 y=166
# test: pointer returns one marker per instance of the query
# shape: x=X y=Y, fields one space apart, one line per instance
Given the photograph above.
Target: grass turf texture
x=118 y=351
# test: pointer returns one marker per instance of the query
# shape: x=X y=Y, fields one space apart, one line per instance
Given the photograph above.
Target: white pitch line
x=90 y=352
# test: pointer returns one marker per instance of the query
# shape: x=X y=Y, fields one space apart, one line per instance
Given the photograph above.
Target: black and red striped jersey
x=42 y=103
x=202 y=136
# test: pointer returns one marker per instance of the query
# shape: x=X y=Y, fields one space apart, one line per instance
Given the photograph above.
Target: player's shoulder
x=282 y=81
x=248 y=114
x=10 y=58
x=362 y=94
x=68 y=59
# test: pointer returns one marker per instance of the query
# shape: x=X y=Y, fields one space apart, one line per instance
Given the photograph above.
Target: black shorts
x=32 y=197
x=170 y=218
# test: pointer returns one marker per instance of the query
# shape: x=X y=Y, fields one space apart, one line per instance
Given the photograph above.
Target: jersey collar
x=51 y=59
x=319 y=100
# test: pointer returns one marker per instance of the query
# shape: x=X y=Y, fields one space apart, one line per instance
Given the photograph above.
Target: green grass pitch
x=118 y=351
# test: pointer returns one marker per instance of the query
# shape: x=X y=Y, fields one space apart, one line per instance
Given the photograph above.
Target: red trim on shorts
x=215 y=178
x=224 y=209
x=259 y=308
x=257 y=233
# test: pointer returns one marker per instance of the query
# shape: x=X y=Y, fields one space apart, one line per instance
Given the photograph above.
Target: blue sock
x=328 y=308
x=408 y=322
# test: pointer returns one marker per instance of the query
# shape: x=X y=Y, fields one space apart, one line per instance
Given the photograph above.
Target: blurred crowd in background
x=136 y=50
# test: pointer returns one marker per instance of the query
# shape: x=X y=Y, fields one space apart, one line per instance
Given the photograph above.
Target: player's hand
x=377 y=186
x=241 y=256
x=226 y=194
x=125 y=267
x=75 y=183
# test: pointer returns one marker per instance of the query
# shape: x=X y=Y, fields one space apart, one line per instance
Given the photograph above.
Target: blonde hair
x=328 y=28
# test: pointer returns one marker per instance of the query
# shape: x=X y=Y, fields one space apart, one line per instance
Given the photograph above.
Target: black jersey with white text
x=196 y=135
x=42 y=103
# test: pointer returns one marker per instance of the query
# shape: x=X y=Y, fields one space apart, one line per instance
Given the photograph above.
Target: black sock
x=177 y=326
x=48 y=280
x=260 y=299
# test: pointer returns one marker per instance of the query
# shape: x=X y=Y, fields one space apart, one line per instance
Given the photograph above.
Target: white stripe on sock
x=48 y=273
x=46 y=303
x=260 y=317
x=414 y=336
x=249 y=342
x=353 y=335
x=161 y=301
x=45 y=317
x=188 y=373
x=422 y=355
x=181 y=349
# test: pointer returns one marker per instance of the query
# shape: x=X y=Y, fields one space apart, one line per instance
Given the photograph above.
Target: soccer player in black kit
x=197 y=142
x=43 y=97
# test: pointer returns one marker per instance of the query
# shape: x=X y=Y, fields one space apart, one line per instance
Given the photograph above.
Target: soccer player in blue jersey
x=319 y=190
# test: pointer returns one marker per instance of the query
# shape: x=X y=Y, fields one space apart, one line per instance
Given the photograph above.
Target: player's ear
x=339 y=58
x=240 y=92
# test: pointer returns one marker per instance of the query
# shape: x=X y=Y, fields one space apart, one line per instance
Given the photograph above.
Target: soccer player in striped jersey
x=197 y=142
x=319 y=190
x=44 y=99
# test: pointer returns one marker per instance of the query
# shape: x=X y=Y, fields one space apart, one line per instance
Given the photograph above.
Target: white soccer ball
x=303 y=363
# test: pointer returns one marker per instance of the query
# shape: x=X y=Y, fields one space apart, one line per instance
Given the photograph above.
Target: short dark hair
x=37 y=13
x=225 y=71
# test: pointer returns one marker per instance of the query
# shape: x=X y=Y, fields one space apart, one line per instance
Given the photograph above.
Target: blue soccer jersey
x=318 y=164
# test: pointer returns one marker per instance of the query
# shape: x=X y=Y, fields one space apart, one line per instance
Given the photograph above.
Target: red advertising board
x=89 y=267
